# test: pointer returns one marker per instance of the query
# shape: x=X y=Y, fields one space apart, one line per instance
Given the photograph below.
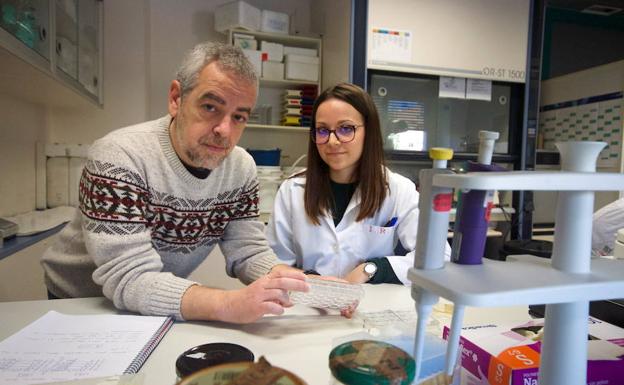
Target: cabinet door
x=89 y=45
x=66 y=16
x=28 y=21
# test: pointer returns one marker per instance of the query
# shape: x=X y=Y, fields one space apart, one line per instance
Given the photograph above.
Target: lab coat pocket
x=377 y=241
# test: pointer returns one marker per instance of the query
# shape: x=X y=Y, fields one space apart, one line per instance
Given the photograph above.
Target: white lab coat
x=336 y=251
x=605 y=224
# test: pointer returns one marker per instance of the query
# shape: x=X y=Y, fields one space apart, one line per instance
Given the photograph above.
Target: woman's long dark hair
x=370 y=172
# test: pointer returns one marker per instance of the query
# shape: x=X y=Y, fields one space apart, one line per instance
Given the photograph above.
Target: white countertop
x=299 y=341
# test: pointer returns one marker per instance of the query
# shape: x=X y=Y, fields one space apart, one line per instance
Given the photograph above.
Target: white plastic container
x=269 y=179
x=272 y=70
x=255 y=57
x=301 y=67
x=276 y=22
x=237 y=14
x=288 y=50
x=274 y=51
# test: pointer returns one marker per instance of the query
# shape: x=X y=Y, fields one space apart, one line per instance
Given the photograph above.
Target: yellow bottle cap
x=440 y=153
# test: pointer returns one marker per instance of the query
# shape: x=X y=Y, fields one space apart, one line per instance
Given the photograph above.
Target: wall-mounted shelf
x=284 y=83
x=423 y=156
x=303 y=130
x=298 y=40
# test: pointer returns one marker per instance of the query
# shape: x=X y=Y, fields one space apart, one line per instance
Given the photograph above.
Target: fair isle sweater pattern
x=114 y=201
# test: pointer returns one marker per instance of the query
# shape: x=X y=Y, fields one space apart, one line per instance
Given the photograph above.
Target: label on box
x=509 y=354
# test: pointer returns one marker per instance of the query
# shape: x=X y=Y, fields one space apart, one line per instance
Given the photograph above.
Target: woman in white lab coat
x=347 y=213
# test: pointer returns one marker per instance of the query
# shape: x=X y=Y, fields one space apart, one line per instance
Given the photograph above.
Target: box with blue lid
x=266 y=157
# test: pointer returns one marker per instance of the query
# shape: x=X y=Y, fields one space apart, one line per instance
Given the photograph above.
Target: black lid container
x=204 y=356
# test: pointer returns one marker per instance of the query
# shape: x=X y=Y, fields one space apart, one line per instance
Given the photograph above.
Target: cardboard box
x=510 y=353
x=276 y=22
x=272 y=70
x=237 y=14
x=301 y=67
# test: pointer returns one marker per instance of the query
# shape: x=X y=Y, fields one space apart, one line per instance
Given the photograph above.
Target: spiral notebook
x=63 y=347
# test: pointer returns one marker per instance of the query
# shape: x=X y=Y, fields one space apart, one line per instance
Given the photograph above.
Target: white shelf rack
x=532 y=180
x=565 y=283
x=520 y=279
x=284 y=82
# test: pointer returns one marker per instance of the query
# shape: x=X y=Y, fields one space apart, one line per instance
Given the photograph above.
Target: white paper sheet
x=451 y=87
x=479 y=89
x=391 y=45
x=60 y=347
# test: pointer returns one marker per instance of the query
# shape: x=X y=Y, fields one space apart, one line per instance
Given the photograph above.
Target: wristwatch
x=370 y=268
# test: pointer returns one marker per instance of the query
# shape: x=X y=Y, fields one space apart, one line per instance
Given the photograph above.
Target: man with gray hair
x=156 y=197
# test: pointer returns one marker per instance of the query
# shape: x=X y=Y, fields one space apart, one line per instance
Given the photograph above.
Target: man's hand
x=267 y=295
x=283 y=267
x=347 y=312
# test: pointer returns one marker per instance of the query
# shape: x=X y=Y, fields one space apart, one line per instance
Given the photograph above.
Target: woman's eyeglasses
x=344 y=133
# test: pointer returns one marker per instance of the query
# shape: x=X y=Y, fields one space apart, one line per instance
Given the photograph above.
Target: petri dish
x=207 y=355
x=369 y=362
x=240 y=373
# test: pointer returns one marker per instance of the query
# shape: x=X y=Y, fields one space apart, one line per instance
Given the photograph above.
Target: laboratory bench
x=14 y=244
x=300 y=340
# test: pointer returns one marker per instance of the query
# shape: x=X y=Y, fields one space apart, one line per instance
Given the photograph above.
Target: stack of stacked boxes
x=298 y=105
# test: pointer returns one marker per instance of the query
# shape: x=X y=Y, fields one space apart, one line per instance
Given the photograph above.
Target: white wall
x=22 y=124
x=332 y=19
x=599 y=80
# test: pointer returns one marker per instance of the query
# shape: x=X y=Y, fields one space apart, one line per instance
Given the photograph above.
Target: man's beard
x=200 y=158
x=196 y=154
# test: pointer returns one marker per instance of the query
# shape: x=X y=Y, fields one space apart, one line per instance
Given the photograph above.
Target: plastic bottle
x=474 y=207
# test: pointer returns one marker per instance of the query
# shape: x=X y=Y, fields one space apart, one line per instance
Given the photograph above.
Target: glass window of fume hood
x=414 y=118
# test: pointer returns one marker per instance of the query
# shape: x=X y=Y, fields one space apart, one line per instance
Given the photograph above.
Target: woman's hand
x=357 y=275
x=348 y=311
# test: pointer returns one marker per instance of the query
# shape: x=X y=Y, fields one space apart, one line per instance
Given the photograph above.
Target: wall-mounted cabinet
x=50 y=51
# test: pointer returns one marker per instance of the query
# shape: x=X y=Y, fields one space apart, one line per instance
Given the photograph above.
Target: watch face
x=370 y=269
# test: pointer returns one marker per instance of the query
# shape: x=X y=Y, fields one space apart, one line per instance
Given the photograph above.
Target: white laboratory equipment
x=566 y=283
x=326 y=294
x=434 y=205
